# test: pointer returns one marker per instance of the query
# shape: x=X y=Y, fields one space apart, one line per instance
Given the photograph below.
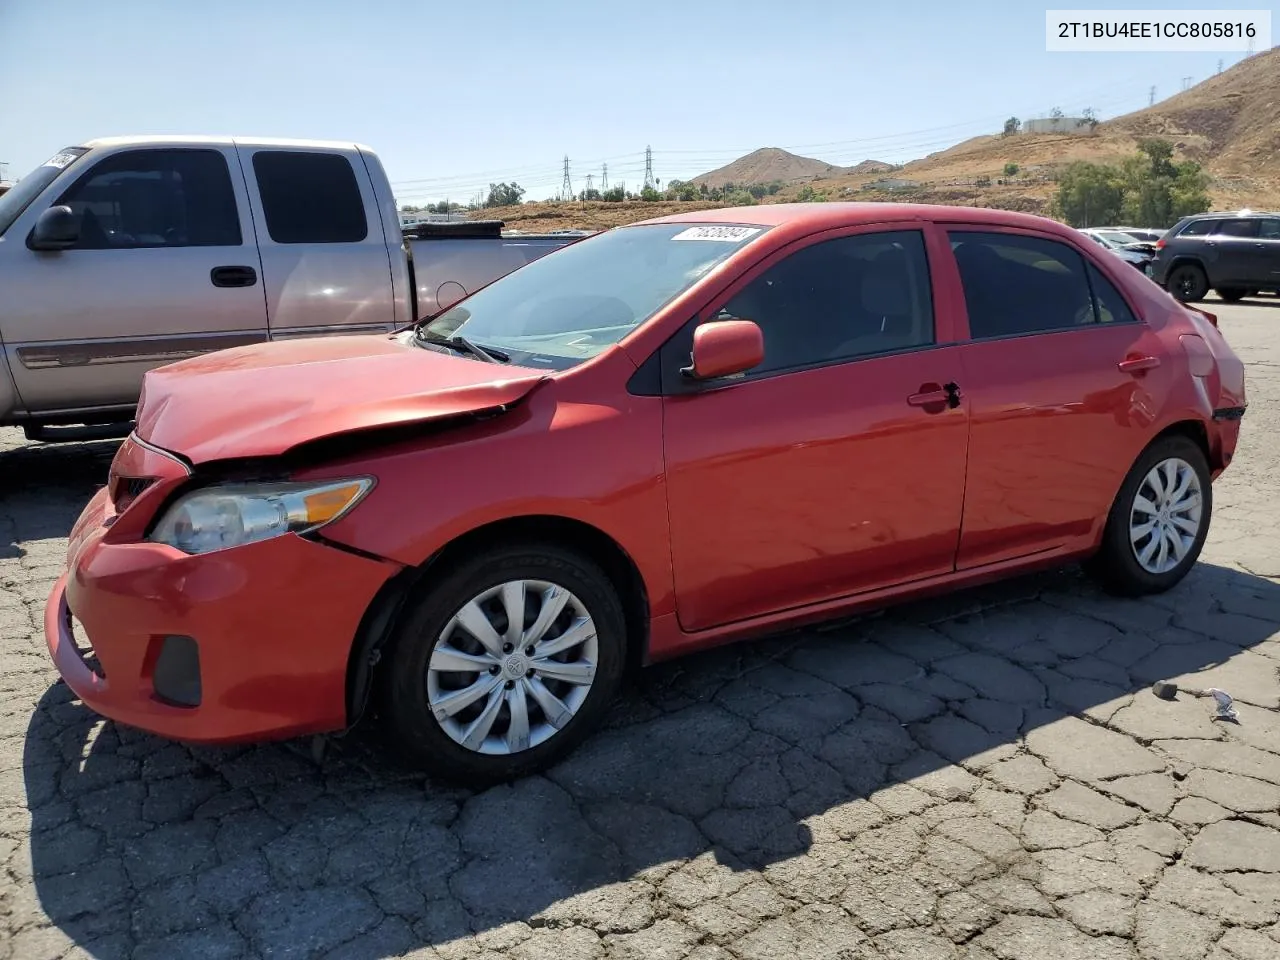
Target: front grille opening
x=176 y=679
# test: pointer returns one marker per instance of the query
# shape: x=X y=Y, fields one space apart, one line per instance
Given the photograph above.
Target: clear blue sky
x=455 y=95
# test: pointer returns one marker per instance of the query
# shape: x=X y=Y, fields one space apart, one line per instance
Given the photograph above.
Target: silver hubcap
x=512 y=667
x=1166 y=515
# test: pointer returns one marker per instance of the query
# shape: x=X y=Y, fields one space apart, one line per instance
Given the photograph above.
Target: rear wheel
x=1231 y=294
x=1187 y=282
x=507 y=664
x=1158 y=523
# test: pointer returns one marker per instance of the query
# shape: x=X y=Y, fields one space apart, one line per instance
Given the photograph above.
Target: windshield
x=14 y=201
x=572 y=304
x=1117 y=239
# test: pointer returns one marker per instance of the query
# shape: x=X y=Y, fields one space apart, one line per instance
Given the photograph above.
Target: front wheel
x=1158 y=523
x=506 y=664
x=1187 y=282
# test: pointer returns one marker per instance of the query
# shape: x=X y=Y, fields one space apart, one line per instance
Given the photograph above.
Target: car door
x=325 y=263
x=1266 y=254
x=1058 y=376
x=837 y=465
x=164 y=267
x=1233 y=253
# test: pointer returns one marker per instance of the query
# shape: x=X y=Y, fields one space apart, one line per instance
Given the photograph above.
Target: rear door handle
x=233 y=276
x=1138 y=364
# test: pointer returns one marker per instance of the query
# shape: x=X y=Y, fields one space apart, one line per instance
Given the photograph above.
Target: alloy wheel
x=512 y=667
x=1165 y=518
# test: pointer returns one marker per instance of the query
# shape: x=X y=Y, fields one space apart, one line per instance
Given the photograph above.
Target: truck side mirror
x=56 y=229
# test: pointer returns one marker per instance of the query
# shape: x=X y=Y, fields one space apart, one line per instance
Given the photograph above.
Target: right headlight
x=232 y=515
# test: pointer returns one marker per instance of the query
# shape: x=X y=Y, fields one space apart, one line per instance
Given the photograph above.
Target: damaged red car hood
x=265 y=399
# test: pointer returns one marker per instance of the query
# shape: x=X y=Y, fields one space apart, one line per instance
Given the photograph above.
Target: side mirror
x=725 y=347
x=56 y=229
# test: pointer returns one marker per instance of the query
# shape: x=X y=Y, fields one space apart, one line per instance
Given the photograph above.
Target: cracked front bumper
x=273 y=624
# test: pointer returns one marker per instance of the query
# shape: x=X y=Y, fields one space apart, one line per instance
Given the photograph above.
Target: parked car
x=123 y=254
x=1128 y=248
x=1236 y=255
x=1143 y=234
x=662 y=438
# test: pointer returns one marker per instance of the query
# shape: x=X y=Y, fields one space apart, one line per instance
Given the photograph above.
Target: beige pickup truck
x=123 y=254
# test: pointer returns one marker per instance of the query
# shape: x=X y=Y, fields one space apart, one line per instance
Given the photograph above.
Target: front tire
x=1187 y=282
x=506 y=664
x=1158 y=523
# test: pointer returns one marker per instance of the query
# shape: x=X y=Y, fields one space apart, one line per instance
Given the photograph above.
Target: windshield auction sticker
x=1157 y=31
x=60 y=160
x=722 y=234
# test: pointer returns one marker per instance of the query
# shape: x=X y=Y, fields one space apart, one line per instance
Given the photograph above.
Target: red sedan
x=664 y=437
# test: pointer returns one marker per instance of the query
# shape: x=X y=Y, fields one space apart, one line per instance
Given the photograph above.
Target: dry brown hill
x=871 y=166
x=1230 y=123
x=767 y=165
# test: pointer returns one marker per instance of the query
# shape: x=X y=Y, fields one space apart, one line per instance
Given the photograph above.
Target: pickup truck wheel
x=1231 y=294
x=1157 y=526
x=1188 y=282
x=506 y=665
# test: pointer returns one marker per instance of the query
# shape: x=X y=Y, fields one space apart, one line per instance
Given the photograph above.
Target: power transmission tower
x=1151 y=100
x=648 y=168
x=1219 y=64
x=566 y=188
x=1249 y=51
x=590 y=178
x=1186 y=83
x=604 y=179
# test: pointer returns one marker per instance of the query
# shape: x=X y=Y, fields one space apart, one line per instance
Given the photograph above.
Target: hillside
x=1230 y=123
x=767 y=165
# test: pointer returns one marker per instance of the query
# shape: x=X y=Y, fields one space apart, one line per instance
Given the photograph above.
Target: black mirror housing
x=56 y=229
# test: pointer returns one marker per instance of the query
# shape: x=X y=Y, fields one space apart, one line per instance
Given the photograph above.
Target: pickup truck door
x=165 y=267
x=326 y=265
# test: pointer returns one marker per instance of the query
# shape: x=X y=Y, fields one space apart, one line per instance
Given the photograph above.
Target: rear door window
x=1016 y=285
x=310 y=197
x=156 y=198
x=1269 y=229
x=1238 y=228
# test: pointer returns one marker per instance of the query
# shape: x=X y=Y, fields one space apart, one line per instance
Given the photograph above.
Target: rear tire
x=1167 y=496
x=522 y=718
x=1187 y=282
x=1231 y=294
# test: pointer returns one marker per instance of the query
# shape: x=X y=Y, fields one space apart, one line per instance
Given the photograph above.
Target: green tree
x=1011 y=126
x=504 y=195
x=649 y=195
x=682 y=190
x=1160 y=191
x=614 y=194
x=1089 y=193
x=1011 y=169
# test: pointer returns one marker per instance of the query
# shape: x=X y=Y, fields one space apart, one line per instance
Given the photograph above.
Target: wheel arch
x=383 y=613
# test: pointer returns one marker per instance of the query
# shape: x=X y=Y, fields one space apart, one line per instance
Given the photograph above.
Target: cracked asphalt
x=977 y=777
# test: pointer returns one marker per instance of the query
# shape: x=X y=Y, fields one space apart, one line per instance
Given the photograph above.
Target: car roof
x=850 y=213
x=1231 y=214
x=152 y=140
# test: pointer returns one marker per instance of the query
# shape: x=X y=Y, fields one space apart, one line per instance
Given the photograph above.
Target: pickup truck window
x=572 y=304
x=309 y=197
x=32 y=185
x=156 y=198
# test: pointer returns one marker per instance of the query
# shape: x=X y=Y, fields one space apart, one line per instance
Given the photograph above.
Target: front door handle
x=936 y=395
x=233 y=276
x=1138 y=364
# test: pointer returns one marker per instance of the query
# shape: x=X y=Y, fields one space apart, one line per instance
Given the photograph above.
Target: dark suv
x=1235 y=254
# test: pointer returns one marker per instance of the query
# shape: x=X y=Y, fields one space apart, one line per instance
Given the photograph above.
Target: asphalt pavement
x=982 y=776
